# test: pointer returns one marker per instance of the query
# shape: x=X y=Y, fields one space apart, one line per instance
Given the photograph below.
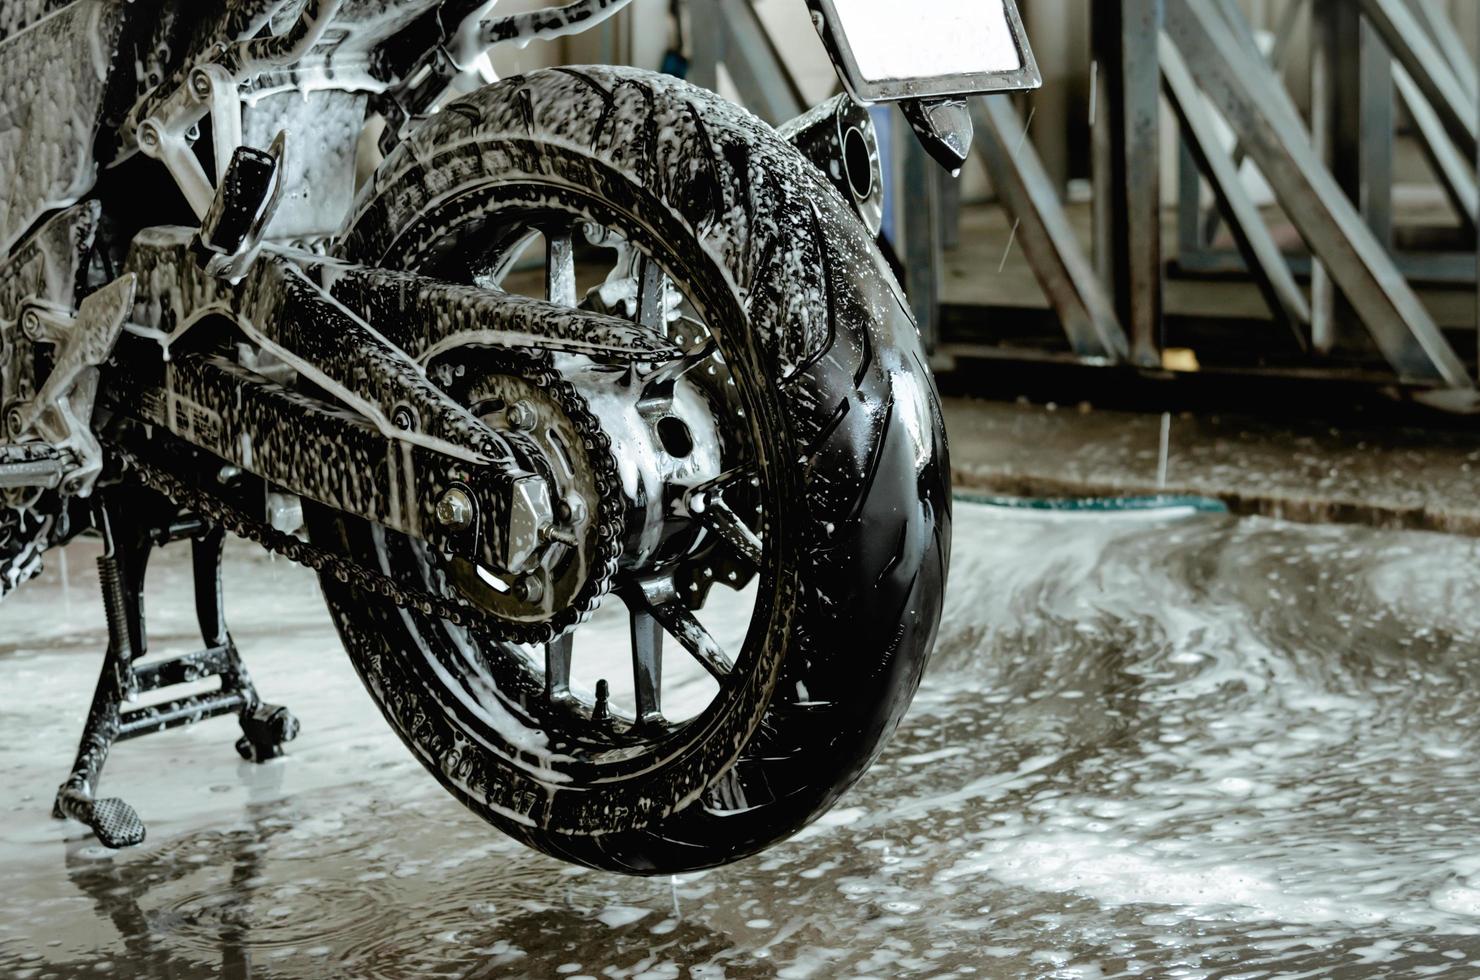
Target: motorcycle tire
x=852 y=448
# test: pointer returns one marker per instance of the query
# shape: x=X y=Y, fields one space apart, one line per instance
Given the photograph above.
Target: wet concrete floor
x=1205 y=747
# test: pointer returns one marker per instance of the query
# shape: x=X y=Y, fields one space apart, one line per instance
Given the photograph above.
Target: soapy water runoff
x=1203 y=747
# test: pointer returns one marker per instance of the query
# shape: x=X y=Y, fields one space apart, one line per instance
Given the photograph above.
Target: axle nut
x=521 y=416
x=455 y=509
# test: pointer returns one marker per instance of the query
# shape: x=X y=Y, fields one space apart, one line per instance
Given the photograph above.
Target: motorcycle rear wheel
x=850 y=460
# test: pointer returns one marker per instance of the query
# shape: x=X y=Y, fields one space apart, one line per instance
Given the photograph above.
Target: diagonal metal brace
x=1064 y=272
x=1261 y=252
x=1430 y=70
x=1245 y=91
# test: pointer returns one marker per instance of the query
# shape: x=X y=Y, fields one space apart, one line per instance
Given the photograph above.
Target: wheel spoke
x=560 y=267
x=660 y=599
x=706 y=504
x=647 y=665
x=652 y=293
x=488 y=274
x=658 y=386
x=715 y=514
x=557 y=667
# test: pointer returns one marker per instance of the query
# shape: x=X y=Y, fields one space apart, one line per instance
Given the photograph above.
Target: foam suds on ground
x=1207 y=747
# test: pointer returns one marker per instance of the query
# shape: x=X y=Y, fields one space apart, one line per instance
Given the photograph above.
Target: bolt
x=149 y=136
x=403 y=418
x=15 y=421
x=200 y=84
x=521 y=416
x=31 y=324
x=530 y=588
x=572 y=510
x=455 y=509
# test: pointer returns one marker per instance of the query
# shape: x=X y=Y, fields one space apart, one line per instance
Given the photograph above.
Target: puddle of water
x=1214 y=748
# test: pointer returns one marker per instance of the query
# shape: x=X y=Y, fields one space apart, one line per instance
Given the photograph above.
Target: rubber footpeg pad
x=116 y=823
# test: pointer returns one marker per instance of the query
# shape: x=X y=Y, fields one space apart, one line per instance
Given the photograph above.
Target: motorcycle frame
x=386 y=443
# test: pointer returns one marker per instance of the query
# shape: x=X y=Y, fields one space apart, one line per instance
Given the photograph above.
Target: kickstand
x=134 y=523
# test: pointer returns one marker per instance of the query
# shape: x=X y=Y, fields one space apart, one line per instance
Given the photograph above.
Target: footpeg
x=60 y=413
x=115 y=823
x=246 y=200
x=34 y=464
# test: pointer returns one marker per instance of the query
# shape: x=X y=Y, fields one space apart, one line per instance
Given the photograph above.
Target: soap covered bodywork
x=53 y=81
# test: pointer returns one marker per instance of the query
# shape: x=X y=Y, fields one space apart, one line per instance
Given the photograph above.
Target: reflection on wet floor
x=1206 y=748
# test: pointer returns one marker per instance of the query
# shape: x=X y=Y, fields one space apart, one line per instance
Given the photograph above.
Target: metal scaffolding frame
x=1349 y=296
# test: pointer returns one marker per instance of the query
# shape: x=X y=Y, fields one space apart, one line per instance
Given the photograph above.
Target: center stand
x=135 y=521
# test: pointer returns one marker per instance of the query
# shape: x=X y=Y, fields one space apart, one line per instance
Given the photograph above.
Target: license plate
x=888 y=50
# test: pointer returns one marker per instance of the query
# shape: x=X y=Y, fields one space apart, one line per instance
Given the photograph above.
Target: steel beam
x=1027 y=193
x=1440 y=269
x=1260 y=251
x=1450 y=165
x=1283 y=35
x=916 y=203
x=1431 y=71
x=1434 y=16
x=765 y=85
x=1251 y=99
x=1126 y=170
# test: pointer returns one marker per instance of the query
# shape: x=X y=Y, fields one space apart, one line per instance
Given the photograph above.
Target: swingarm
x=325 y=394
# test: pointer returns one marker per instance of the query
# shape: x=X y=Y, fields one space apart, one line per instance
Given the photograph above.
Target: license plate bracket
x=887 y=51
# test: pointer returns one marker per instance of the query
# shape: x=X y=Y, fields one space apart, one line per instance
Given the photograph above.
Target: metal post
x=1054 y=27
x=1352 y=122
x=1250 y=98
x=1027 y=193
x=917 y=216
x=765 y=84
x=707 y=44
x=1126 y=171
x=1261 y=252
x=1189 y=202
